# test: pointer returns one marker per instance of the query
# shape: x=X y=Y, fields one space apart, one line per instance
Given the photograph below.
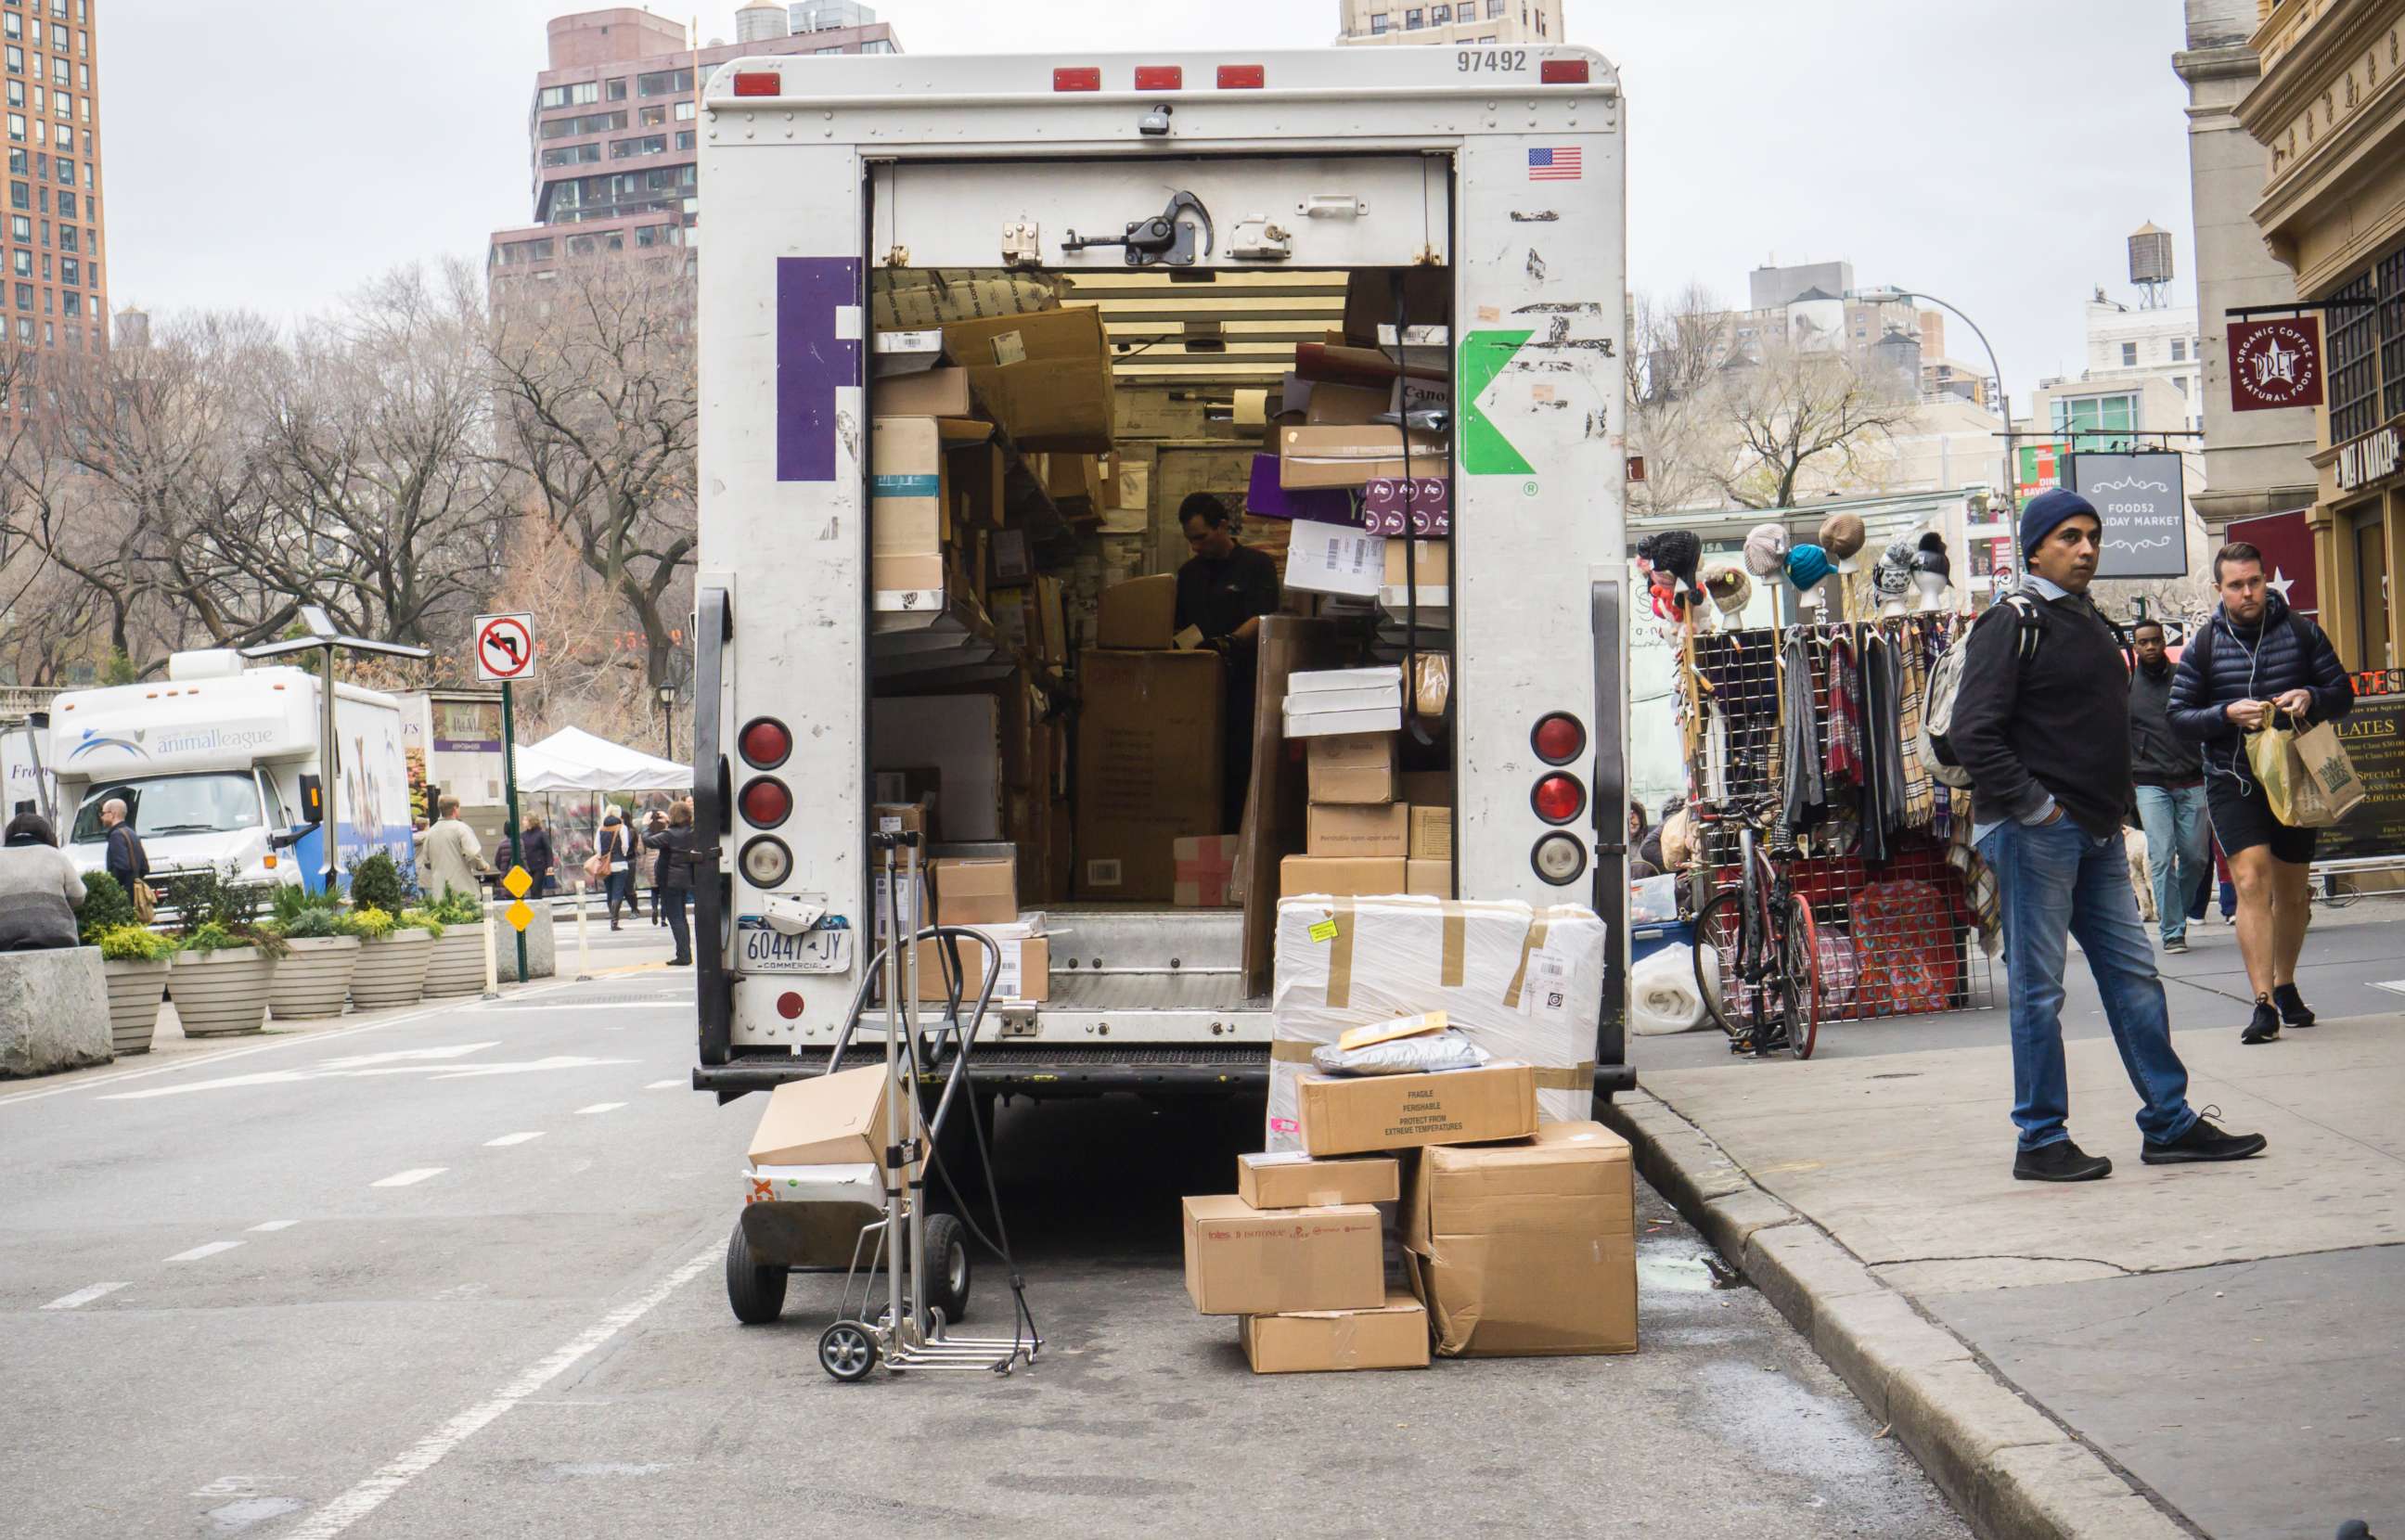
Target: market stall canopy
x=573 y=759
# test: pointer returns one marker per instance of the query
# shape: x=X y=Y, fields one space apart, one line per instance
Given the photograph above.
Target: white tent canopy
x=573 y=759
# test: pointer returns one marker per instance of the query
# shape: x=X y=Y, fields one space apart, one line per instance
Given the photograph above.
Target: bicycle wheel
x=1720 y=931
x=1799 y=976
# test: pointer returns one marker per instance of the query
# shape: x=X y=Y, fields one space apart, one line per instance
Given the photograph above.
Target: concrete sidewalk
x=2212 y=1345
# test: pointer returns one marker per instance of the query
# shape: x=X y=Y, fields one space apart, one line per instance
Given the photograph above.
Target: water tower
x=2151 y=265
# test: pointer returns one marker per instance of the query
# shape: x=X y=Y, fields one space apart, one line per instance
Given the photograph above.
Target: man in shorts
x=2255 y=665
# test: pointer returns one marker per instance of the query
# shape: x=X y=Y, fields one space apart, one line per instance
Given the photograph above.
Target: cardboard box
x=1344 y=1115
x=1149 y=761
x=907 y=574
x=934 y=393
x=826 y=1120
x=918 y=299
x=1206 y=864
x=1435 y=559
x=1316 y=724
x=1358 y=768
x=1139 y=615
x=1395 y=1336
x=1269 y=498
x=1335 y=558
x=1026 y=967
x=1047 y=376
x=976 y=477
x=906 y=489
x=898 y=818
x=1051 y=623
x=1428 y=879
x=1340 y=877
x=1358 y=831
x=1319 y=681
x=1344 y=406
x=1528 y=1247
x=1431 y=834
x=1354 y=457
x=1423 y=506
x=1243 y=1261
x=1076 y=483
x=975 y=890
x=1370 y=300
x=1424 y=787
x=1295 y=1181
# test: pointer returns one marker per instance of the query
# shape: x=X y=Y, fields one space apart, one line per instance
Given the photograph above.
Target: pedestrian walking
x=2257 y=663
x=648 y=862
x=2170 y=785
x=450 y=857
x=40 y=889
x=535 y=854
x=126 y=860
x=675 y=885
x=2042 y=724
x=613 y=853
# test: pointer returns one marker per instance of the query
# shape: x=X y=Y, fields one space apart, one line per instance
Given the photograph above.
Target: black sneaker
x=2293 y=1012
x=2203 y=1142
x=2264 y=1026
x=2061 y=1161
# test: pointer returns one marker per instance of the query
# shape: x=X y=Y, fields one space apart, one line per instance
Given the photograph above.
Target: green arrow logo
x=1485 y=450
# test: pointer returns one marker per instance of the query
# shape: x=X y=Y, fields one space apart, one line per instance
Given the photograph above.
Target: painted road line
x=509 y=1008
x=272 y=1226
x=599 y=1107
x=81 y=1297
x=667 y=1086
x=507 y=1139
x=410 y=1178
x=198 y=1253
x=427 y=1452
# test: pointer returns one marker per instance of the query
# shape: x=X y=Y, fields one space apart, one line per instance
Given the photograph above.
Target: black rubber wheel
x=756 y=1294
x=1719 y=927
x=947 y=1267
x=1799 y=957
x=848 y=1351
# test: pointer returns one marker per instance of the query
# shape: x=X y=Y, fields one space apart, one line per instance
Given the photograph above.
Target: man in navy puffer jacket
x=2257 y=663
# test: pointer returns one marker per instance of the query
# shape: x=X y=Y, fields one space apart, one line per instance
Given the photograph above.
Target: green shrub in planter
x=366 y=924
x=422 y=919
x=456 y=908
x=106 y=907
x=132 y=944
x=292 y=902
x=310 y=922
x=376 y=883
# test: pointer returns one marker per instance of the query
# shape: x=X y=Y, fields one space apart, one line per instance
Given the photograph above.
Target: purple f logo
x=812 y=362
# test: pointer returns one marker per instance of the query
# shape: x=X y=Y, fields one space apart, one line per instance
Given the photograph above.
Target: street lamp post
x=668 y=694
x=2005 y=403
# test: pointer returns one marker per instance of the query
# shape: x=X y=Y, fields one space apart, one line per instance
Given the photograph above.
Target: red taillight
x=1243 y=76
x=1563 y=72
x=1558 y=738
x=765 y=744
x=758 y=82
x=1161 y=77
x=1081 y=78
x=1558 y=799
x=789 y=1005
x=766 y=803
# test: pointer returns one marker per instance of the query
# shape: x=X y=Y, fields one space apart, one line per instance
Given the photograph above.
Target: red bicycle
x=1757 y=953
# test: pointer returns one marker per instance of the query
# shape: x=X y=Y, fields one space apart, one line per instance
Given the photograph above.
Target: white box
x=1335 y=558
x=1321 y=724
x=1343 y=700
x=1388 y=676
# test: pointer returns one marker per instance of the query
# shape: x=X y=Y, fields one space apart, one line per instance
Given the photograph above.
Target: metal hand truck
x=910 y=1332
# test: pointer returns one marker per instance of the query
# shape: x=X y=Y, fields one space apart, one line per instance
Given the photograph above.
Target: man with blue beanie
x=2042 y=723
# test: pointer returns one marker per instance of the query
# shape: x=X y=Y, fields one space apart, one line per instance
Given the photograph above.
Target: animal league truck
x=1493 y=175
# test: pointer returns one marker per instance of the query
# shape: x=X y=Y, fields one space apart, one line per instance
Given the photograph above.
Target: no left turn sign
x=504 y=648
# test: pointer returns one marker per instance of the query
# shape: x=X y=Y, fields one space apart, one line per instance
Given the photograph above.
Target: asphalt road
x=458 y=1273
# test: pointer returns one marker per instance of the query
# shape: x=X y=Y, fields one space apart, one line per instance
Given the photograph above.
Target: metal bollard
x=583 y=949
x=492 y=962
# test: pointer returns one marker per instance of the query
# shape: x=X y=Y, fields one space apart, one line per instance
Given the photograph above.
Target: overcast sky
x=273 y=154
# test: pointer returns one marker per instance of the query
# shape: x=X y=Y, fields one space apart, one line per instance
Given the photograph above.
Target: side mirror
x=289 y=838
x=313 y=800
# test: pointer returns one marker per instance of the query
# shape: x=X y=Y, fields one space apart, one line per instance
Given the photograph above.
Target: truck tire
x=947 y=1267
x=756 y=1294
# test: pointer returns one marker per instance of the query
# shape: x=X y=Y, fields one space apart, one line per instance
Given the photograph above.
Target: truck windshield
x=174 y=804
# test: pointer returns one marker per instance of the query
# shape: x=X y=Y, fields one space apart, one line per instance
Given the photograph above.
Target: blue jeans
x=2174 y=818
x=2055 y=881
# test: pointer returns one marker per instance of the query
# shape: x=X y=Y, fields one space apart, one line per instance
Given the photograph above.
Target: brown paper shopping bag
x=2327 y=785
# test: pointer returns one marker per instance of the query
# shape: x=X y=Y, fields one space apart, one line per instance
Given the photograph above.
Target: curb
x=2006 y=1467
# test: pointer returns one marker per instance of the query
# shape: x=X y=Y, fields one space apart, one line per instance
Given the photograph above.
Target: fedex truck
x=220 y=767
x=1485 y=182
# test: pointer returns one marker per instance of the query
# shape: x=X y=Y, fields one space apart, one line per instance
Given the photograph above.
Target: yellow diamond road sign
x=518 y=882
x=518 y=915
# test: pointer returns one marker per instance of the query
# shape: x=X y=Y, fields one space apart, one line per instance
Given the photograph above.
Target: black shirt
x=2057 y=725
x=1217 y=595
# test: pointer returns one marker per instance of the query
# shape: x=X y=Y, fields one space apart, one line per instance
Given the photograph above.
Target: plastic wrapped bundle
x=1402 y=1056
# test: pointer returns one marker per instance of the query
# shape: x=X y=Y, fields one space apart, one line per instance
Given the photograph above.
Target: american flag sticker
x=1566 y=164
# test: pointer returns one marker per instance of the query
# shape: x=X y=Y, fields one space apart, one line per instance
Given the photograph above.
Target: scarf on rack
x=1804 y=793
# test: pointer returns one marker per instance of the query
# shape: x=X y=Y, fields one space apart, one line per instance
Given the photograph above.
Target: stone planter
x=391 y=972
x=53 y=1011
x=457 y=965
x=543 y=942
x=135 y=990
x=221 y=994
x=315 y=979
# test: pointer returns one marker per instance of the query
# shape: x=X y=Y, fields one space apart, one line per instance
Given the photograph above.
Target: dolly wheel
x=755 y=1292
x=947 y=1267
x=848 y=1351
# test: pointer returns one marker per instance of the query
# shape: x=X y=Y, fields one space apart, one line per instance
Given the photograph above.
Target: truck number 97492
x=1473 y=61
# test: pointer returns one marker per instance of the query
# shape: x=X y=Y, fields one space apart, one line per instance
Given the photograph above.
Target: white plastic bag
x=1402 y=1056
x=1662 y=995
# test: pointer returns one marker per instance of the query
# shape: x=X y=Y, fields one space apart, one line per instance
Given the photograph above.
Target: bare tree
x=596 y=373
x=1789 y=409
x=1675 y=353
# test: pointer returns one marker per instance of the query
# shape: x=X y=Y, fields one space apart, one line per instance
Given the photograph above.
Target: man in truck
x=1223 y=591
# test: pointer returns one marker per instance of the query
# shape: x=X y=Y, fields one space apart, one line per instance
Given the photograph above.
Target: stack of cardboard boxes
x=1518 y=1238
x=1149 y=749
x=1371 y=828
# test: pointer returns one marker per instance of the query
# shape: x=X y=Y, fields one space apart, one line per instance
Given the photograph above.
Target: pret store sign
x=2275 y=364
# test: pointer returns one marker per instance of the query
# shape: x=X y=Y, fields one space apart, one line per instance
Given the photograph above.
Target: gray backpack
x=1945 y=682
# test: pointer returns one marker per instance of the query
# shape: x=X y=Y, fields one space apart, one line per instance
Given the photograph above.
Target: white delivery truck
x=220 y=768
x=26 y=784
x=1493 y=175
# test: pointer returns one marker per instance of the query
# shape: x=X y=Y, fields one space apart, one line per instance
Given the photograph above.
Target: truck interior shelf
x=934 y=642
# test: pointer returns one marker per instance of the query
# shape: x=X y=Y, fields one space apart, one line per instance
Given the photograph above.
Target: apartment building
x=1461 y=23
